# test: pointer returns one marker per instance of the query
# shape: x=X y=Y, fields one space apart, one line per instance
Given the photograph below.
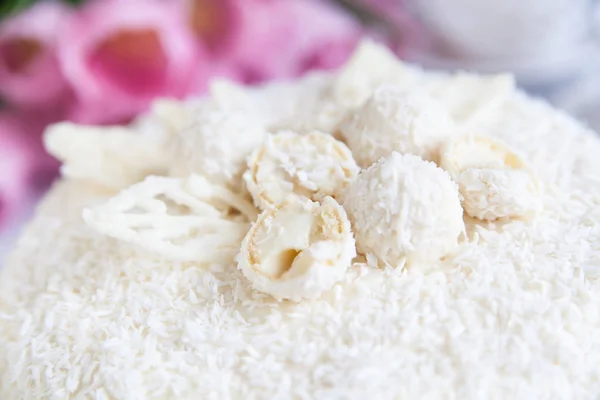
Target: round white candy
x=217 y=144
x=396 y=120
x=404 y=207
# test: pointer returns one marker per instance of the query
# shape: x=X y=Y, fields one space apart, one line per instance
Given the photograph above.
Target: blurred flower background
x=104 y=61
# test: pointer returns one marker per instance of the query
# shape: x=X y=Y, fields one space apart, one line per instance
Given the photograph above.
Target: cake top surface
x=130 y=282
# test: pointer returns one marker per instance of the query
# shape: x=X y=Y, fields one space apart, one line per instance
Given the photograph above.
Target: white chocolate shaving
x=298 y=250
x=494 y=181
x=115 y=157
x=180 y=219
x=292 y=166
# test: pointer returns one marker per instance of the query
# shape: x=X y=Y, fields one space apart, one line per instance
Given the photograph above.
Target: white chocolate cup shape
x=494 y=180
x=298 y=250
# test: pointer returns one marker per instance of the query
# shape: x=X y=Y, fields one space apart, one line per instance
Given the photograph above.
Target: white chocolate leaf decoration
x=114 y=157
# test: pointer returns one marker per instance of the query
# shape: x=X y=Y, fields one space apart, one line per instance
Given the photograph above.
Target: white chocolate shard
x=369 y=67
x=298 y=250
x=114 y=157
x=404 y=208
x=394 y=119
x=291 y=166
x=494 y=180
x=181 y=219
x=470 y=97
x=216 y=146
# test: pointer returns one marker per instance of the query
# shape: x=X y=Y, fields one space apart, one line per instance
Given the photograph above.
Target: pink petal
x=216 y=23
x=285 y=38
x=29 y=70
x=120 y=54
x=26 y=167
x=133 y=60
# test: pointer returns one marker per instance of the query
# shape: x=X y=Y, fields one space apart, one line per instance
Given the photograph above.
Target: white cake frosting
x=512 y=312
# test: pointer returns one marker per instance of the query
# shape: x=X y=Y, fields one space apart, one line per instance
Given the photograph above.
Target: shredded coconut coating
x=397 y=120
x=298 y=250
x=114 y=157
x=216 y=146
x=291 y=166
x=404 y=208
x=514 y=313
x=494 y=181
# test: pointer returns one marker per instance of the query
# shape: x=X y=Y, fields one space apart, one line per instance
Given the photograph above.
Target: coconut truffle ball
x=217 y=144
x=404 y=207
x=394 y=119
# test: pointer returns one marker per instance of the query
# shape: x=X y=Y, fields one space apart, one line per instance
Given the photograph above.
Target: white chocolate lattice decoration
x=188 y=219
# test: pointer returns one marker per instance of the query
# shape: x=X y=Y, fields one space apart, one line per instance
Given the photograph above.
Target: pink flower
x=217 y=23
x=286 y=38
x=26 y=168
x=29 y=70
x=120 y=54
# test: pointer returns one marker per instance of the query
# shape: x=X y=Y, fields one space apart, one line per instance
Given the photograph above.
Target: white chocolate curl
x=396 y=120
x=298 y=250
x=403 y=207
x=180 y=219
x=114 y=157
x=494 y=181
x=291 y=166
